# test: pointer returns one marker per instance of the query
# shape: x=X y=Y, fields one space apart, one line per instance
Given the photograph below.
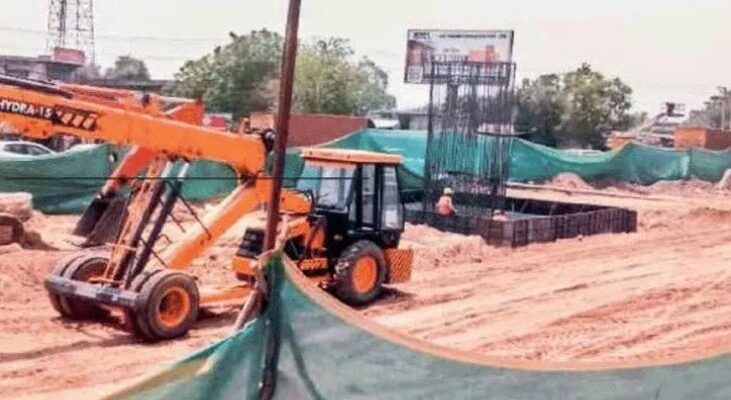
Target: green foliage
x=328 y=82
x=242 y=77
x=128 y=68
x=542 y=104
x=579 y=108
x=234 y=78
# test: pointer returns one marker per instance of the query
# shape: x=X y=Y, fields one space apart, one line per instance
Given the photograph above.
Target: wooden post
x=282 y=126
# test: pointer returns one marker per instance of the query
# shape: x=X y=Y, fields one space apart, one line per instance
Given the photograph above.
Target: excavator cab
x=349 y=241
x=357 y=193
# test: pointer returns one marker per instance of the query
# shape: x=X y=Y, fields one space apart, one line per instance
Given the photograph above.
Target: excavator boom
x=354 y=252
x=40 y=111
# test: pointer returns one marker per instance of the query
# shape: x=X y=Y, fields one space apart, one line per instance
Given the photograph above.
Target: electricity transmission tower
x=71 y=26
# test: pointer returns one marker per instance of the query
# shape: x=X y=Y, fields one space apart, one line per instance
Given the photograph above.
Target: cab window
x=393 y=213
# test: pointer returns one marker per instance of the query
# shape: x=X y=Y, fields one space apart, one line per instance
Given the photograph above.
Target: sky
x=667 y=50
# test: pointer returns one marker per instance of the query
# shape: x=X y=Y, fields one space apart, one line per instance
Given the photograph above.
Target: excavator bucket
x=102 y=220
x=91 y=216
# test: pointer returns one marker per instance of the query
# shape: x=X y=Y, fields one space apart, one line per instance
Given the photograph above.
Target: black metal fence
x=564 y=221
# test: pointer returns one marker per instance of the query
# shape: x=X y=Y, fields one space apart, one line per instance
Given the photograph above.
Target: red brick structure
x=704 y=138
x=311 y=129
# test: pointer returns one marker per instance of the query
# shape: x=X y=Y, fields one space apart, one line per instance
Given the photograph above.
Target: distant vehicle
x=384 y=120
x=18 y=148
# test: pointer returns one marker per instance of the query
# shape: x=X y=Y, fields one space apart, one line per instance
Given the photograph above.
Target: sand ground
x=658 y=293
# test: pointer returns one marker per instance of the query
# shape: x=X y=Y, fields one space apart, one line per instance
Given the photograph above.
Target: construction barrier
x=531 y=221
x=66 y=182
x=633 y=163
x=307 y=345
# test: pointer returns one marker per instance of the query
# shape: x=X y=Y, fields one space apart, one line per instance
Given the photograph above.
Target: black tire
x=130 y=316
x=348 y=288
x=83 y=269
x=58 y=270
x=167 y=306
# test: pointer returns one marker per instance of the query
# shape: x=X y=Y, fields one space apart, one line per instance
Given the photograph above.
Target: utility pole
x=725 y=110
x=723 y=101
x=282 y=128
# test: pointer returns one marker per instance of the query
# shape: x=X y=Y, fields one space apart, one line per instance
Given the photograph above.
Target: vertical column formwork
x=470 y=134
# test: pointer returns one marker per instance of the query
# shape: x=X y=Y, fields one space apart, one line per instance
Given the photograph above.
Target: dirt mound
x=620 y=186
x=569 y=180
x=707 y=215
x=18 y=204
x=725 y=182
x=688 y=187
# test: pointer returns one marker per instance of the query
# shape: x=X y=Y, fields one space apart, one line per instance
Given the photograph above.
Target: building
x=58 y=66
x=702 y=138
x=310 y=129
x=149 y=86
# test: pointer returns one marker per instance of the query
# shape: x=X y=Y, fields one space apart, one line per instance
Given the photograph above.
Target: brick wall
x=311 y=129
x=711 y=139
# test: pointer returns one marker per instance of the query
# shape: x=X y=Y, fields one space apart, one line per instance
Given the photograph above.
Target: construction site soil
x=657 y=294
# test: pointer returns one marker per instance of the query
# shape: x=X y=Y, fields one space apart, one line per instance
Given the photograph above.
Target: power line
x=109 y=36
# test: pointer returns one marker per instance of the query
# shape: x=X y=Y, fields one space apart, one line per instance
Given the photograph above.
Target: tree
x=327 y=81
x=323 y=78
x=542 y=104
x=128 y=68
x=579 y=108
x=242 y=77
x=235 y=78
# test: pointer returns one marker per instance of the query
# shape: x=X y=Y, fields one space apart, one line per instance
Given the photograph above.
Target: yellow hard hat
x=448 y=191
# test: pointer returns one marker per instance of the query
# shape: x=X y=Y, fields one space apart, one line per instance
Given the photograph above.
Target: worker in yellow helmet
x=444 y=206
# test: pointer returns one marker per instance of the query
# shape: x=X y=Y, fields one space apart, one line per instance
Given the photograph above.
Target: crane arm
x=40 y=111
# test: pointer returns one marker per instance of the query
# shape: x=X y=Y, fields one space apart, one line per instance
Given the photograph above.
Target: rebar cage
x=470 y=133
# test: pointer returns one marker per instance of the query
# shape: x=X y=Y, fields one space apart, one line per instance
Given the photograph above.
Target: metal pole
x=282 y=127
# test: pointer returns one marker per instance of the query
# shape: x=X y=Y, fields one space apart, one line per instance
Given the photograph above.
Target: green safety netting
x=633 y=163
x=66 y=182
x=316 y=348
x=59 y=183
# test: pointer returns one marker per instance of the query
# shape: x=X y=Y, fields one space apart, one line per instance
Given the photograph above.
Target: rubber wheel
x=84 y=269
x=58 y=270
x=167 y=306
x=360 y=273
x=130 y=316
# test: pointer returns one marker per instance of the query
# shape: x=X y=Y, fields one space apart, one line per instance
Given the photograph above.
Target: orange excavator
x=102 y=219
x=343 y=222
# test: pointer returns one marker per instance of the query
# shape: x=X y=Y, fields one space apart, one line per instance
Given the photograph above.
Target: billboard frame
x=497 y=47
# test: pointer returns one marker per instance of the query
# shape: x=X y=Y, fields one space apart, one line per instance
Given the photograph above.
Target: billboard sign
x=222 y=121
x=445 y=46
x=68 y=56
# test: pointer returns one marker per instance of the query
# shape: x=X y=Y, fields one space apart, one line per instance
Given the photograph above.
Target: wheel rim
x=365 y=274
x=174 y=307
x=91 y=271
